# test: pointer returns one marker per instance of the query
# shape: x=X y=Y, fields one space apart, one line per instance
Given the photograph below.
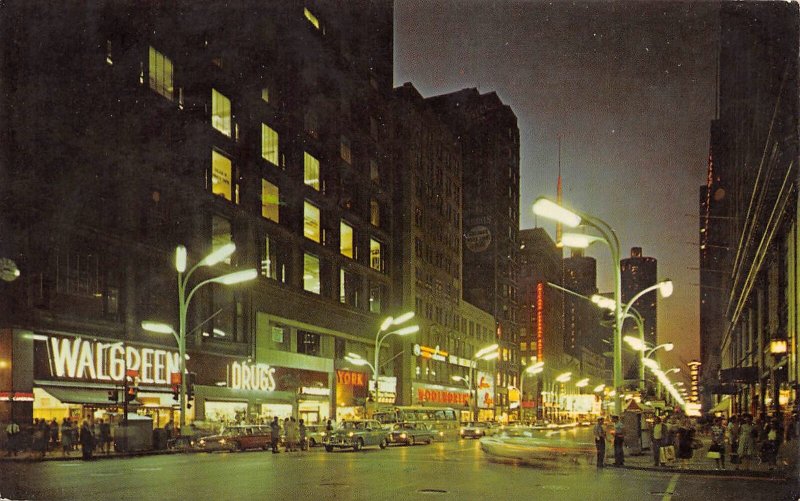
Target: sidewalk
x=57 y=455
x=785 y=467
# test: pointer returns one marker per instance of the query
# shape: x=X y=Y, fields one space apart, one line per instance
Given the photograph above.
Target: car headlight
x=441 y=433
x=350 y=434
x=462 y=430
x=402 y=435
x=222 y=441
x=323 y=434
x=202 y=442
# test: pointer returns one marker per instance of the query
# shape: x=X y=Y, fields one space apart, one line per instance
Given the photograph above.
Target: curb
x=775 y=474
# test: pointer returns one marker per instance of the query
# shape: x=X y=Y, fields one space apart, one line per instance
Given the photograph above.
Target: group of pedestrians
x=600 y=436
x=293 y=432
x=42 y=437
x=750 y=439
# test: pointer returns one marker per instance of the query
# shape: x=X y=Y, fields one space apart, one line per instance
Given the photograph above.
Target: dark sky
x=630 y=88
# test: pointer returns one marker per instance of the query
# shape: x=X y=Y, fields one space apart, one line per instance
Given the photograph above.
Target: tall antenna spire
x=558 y=193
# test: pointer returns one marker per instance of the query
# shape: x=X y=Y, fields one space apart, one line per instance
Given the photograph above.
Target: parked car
x=412 y=433
x=476 y=429
x=237 y=438
x=315 y=434
x=356 y=435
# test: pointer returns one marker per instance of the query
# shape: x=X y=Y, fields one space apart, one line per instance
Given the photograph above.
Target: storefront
x=71 y=376
x=351 y=394
x=233 y=390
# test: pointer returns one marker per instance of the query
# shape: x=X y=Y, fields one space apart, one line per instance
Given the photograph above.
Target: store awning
x=724 y=405
x=67 y=395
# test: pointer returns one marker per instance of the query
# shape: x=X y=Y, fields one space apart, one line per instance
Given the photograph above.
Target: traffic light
x=190 y=379
x=112 y=395
x=176 y=392
x=132 y=393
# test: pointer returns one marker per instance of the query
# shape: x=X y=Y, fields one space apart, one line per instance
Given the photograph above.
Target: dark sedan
x=411 y=433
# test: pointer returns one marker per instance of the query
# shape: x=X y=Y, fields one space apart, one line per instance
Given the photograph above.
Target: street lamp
x=572 y=218
x=561 y=378
x=665 y=287
x=486 y=353
x=183 y=304
x=535 y=368
x=404 y=331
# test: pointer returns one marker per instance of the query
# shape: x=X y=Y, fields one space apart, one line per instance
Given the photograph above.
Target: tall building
x=754 y=201
x=133 y=128
x=489 y=138
x=580 y=316
x=428 y=255
x=541 y=315
x=638 y=273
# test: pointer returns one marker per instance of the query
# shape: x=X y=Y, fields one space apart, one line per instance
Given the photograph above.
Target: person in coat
x=66 y=437
x=600 y=442
x=87 y=440
x=747 y=440
x=275 y=432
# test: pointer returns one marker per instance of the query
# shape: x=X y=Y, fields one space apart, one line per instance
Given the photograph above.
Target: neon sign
x=244 y=376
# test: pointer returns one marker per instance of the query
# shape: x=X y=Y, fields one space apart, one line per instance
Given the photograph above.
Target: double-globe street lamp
x=573 y=218
x=490 y=352
x=645 y=352
x=184 y=299
x=380 y=337
x=533 y=369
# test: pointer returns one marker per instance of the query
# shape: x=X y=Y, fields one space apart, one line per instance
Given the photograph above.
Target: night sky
x=630 y=88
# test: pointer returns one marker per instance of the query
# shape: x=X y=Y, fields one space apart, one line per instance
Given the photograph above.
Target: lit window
x=270 y=201
x=311 y=171
x=265 y=94
x=269 y=144
x=348 y=287
x=311 y=222
x=221 y=178
x=344 y=149
x=346 y=240
x=375 y=255
x=311 y=18
x=220 y=112
x=311 y=273
x=374 y=212
x=160 y=72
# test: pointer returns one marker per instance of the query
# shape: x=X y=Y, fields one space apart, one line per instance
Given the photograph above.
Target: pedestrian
x=329 y=427
x=53 y=434
x=685 y=440
x=600 y=442
x=66 y=437
x=619 y=441
x=747 y=438
x=290 y=429
x=717 y=448
x=169 y=428
x=657 y=437
x=87 y=440
x=41 y=435
x=275 y=434
x=771 y=444
x=105 y=435
x=13 y=436
x=303 y=440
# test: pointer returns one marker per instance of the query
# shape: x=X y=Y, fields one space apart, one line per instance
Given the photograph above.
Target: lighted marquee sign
x=485 y=390
x=440 y=395
x=83 y=359
x=432 y=353
x=244 y=376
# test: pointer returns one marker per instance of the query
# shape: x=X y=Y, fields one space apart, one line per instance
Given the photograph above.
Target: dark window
x=308 y=343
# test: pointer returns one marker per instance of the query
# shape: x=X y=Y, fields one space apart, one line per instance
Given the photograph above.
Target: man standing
x=619 y=440
x=658 y=435
x=600 y=442
x=275 y=432
x=12 y=434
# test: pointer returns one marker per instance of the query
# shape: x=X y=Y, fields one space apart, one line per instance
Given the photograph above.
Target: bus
x=441 y=419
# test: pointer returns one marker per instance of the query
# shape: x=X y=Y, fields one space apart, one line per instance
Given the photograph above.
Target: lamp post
x=664 y=286
x=561 y=379
x=382 y=335
x=183 y=304
x=571 y=218
x=486 y=353
x=532 y=369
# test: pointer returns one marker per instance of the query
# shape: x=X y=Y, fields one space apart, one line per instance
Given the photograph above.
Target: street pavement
x=450 y=470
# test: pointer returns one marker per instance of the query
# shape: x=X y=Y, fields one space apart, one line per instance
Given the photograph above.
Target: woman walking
x=733 y=439
x=747 y=440
x=87 y=440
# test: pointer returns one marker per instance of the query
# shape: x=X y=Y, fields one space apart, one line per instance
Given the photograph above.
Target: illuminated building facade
x=541 y=320
x=139 y=126
x=488 y=135
x=638 y=273
x=694 y=381
x=753 y=199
